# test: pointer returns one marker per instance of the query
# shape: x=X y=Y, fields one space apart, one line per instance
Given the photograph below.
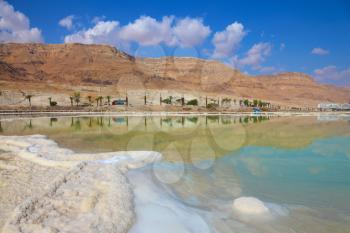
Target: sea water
x=222 y=173
x=256 y=189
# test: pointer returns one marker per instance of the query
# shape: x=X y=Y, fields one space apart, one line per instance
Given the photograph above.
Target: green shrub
x=193 y=102
x=53 y=103
x=212 y=105
x=167 y=100
x=226 y=100
x=246 y=102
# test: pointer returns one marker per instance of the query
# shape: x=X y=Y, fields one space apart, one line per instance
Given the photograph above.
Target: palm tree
x=89 y=98
x=97 y=99
x=50 y=99
x=77 y=97
x=255 y=103
x=109 y=100
x=71 y=100
x=29 y=98
x=246 y=102
x=100 y=98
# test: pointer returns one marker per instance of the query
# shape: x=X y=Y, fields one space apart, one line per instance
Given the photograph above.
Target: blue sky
x=257 y=37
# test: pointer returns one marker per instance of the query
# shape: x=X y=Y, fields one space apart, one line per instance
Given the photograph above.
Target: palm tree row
x=76 y=98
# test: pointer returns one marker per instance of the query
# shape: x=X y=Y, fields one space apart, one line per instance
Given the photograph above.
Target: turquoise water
x=298 y=168
x=306 y=190
x=316 y=176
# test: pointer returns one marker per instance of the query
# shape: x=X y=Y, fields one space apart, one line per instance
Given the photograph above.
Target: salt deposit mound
x=85 y=199
x=93 y=194
x=250 y=206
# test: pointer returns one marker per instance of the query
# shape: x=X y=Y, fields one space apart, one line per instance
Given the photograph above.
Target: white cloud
x=67 y=22
x=225 y=42
x=331 y=74
x=319 y=51
x=15 y=26
x=97 y=19
x=265 y=69
x=191 y=32
x=254 y=57
x=145 y=31
x=148 y=31
x=104 y=32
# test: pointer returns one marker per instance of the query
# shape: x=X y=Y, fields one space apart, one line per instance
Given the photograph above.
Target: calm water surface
x=299 y=167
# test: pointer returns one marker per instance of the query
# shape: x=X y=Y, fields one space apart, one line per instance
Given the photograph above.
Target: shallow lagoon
x=299 y=167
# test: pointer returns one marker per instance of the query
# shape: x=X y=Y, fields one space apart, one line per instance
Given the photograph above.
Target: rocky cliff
x=63 y=67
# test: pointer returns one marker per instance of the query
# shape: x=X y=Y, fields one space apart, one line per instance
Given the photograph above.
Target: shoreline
x=19 y=115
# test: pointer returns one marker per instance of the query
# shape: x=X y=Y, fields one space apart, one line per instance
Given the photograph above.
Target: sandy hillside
x=65 y=68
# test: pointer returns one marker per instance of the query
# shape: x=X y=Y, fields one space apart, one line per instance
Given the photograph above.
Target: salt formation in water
x=158 y=211
x=45 y=152
x=93 y=194
x=250 y=206
x=168 y=172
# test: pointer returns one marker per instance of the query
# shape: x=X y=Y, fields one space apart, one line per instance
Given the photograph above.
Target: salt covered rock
x=250 y=206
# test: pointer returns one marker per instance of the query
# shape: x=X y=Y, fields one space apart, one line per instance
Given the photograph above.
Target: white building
x=334 y=106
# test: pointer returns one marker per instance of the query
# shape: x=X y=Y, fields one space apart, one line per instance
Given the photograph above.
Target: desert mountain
x=60 y=67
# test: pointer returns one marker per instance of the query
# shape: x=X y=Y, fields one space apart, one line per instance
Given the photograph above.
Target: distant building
x=334 y=107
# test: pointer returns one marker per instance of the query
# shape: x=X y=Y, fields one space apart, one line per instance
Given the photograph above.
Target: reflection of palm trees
x=192 y=119
x=225 y=120
x=29 y=126
x=77 y=125
x=52 y=119
x=1 y=129
x=168 y=121
x=178 y=120
x=109 y=122
x=90 y=122
x=213 y=118
x=100 y=121
x=246 y=120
